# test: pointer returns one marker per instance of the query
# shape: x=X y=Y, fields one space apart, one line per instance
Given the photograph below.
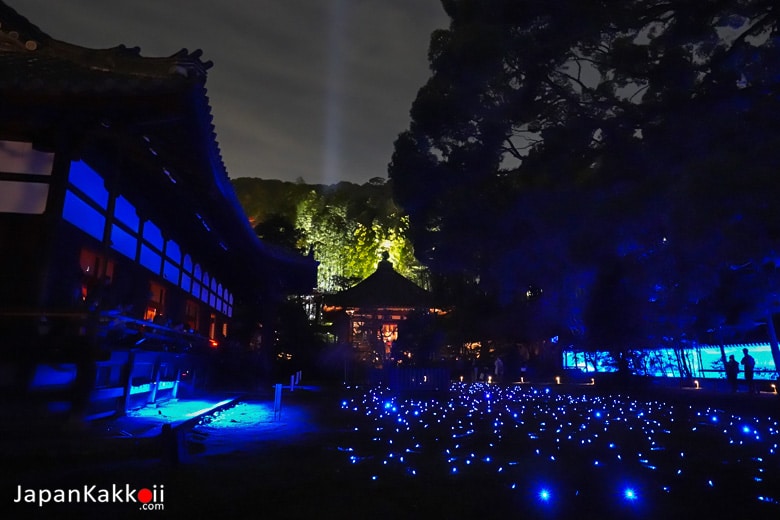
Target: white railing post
x=278 y=402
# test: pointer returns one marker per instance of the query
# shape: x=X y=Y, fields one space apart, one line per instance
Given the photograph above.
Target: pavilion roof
x=384 y=288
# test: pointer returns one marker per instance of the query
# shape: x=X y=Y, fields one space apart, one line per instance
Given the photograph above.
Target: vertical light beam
x=334 y=95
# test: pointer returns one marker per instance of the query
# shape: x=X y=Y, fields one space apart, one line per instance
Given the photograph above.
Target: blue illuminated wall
x=87 y=203
x=84 y=215
x=704 y=360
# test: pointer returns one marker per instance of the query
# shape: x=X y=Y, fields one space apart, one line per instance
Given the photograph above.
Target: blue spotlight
x=630 y=494
x=544 y=495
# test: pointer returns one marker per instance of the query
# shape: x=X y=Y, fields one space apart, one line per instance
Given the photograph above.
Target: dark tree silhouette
x=557 y=140
x=281 y=231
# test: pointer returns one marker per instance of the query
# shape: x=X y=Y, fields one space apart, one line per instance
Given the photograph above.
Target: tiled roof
x=37 y=63
x=385 y=288
x=166 y=97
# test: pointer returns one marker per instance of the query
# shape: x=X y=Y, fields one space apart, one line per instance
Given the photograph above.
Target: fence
x=415 y=379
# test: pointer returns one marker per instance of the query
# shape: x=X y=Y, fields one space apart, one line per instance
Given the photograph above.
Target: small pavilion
x=370 y=315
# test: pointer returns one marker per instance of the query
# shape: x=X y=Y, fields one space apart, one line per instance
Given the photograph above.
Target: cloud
x=299 y=88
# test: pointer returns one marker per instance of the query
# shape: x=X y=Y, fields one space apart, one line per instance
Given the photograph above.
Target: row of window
x=89 y=206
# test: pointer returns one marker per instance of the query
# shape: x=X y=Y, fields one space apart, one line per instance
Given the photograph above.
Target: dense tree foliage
x=346 y=226
x=621 y=157
x=280 y=230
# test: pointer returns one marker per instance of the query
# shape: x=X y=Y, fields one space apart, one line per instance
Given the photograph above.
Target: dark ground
x=293 y=468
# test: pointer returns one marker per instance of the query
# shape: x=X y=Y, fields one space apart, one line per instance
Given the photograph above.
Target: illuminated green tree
x=349 y=247
x=346 y=226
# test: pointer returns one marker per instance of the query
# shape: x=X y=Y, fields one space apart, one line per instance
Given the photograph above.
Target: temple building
x=120 y=232
x=370 y=316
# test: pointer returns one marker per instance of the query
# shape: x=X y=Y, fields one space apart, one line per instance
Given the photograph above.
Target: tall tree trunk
x=773 y=345
x=722 y=347
x=592 y=360
x=682 y=363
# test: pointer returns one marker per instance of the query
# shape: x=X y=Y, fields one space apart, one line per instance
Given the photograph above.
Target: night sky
x=311 y=89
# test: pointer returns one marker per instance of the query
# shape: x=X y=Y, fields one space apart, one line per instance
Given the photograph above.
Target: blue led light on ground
x=517 y=433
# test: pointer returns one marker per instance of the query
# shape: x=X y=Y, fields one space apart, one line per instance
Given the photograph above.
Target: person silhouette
x=732 y=372
x=749 y=365
x=499 y=369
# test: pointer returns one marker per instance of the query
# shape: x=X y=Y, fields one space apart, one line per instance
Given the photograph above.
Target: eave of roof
x=39 y=71
x=384 y=288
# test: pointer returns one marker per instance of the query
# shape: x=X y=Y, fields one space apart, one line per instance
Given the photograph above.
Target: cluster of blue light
x=553 y=445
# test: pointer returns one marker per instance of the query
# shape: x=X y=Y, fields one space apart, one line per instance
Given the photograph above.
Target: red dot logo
x=144 y=495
